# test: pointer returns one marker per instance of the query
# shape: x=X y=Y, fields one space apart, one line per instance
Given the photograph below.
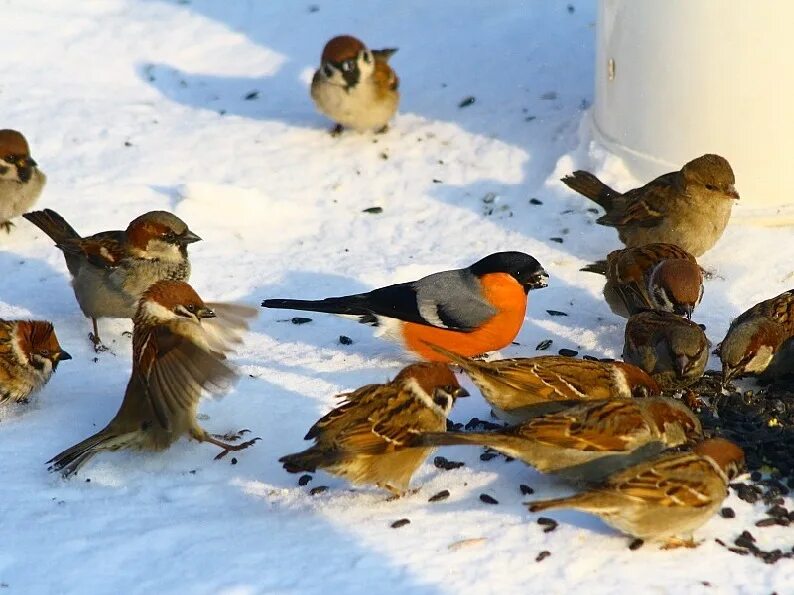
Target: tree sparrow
x=354 y=86
x=471 y=311
x=366 y=439
x=21 y=181
x=673 y=350
x=111 y=269
x=179 y=347
x=689 y=208
x=29 y=354
x=588 y=440
x=665 y=498
x=760 y=340
x=651 y=277
x=522 y=388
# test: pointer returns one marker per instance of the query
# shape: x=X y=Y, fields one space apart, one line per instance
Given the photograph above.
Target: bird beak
x=681 y=364
x=731 y=191
x=685 y=310
x=459 y=392
x=64 y=355
x=189 y=237
x=537 y=281
x=205 y=312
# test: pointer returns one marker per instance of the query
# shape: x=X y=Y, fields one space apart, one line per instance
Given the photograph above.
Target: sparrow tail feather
x=588 y=185
x=53 y=225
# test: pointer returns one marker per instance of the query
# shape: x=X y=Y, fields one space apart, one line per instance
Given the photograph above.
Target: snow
x=134 y=106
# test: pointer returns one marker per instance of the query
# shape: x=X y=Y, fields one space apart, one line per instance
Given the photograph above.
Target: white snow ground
x=133 y=106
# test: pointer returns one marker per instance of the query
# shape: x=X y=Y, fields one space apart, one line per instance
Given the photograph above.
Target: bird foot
x=7 y=225
x=227 y=448
x=397 y=493
x=675 y=543
x=232 y=436
x=336 y=130
x=99 y=347
x=383 y=129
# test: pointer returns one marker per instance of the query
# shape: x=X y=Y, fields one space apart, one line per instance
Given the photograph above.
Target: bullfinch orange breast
x=468 y=311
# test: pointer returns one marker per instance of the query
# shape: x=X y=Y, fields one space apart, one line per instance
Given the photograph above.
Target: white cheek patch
x=152 y=309
x=760 y=360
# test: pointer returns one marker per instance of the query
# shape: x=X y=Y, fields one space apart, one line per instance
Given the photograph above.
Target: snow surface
x=138 y=105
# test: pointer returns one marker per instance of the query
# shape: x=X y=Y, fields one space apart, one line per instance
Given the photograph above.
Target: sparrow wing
x=676 y=479
x=104 y=250
x=384 y=76
x=645 y=206
x=612 y=425
x=356 y=403
x=175 y=372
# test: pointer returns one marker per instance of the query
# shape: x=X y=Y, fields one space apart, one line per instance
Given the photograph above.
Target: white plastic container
x=679 y=78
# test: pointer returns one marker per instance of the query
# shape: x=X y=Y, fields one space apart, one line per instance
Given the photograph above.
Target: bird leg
x=336 y=130
x=94 y=337
x=396 y=493
x=383 y=129
x=227 y=448
x=6 y=225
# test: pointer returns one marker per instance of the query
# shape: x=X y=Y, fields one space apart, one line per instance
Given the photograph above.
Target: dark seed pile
x=761 y=422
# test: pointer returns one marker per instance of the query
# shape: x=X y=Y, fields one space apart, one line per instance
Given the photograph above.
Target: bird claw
x=336 y=130
x=227 y=448
x=7 y=225
x=676 y=542
x=232 y=436
x=383 y=129
x=99 y=346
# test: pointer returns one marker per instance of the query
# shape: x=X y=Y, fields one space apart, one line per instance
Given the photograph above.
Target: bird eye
x=329 y=72
x=10 y=158
x=711 y=187
x=191 y=308
x=367 y=56
x=347 y=65
x=44 y=353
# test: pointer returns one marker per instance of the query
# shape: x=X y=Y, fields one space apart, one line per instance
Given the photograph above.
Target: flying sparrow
x=665 y=498
x=651 y=277
x=29 y=354
x=760 y=340
x=673 y=350
x=366 y=439
x=354 y=86
x=522 y=388
x=179 y=347
x=588 y=440
x=21 y=181
x=111 y=269
x=471 y=311
x=689 y=208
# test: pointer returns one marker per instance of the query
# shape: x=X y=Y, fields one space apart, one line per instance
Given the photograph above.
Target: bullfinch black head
x=522 y=267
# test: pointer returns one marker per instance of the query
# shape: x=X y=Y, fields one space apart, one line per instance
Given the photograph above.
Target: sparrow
x=29 y=354
x=21 y=181
x=354 y=86
x=522 y=388
x=366 y=438
x=651 y=277
x=689 y=208
x=588 y=440
x=760 y=340
x=673 y=350
x=469 y=311
x=665 y=498
x=179 y=348
x=110 y=270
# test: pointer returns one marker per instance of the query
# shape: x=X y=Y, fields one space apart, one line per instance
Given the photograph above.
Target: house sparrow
x=760 y=340
x=111 y=269
x=469 y=311
x=673 y=350
x=21 y=181
x=689 y=208
x=365 y=439
x=588 y=440
x=179 y=347
x=651 y=277
x=29 y=354
x=522 y=388
x=665 y=498
x=355 y=87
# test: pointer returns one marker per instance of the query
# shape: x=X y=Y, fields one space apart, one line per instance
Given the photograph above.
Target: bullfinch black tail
x=53 y=225
x=352 y=305
x=588 y=185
